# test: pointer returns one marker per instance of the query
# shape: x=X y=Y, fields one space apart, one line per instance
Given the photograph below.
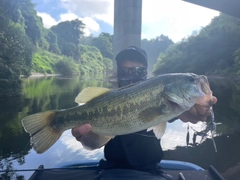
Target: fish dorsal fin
x=159 y=130
x=90 y=93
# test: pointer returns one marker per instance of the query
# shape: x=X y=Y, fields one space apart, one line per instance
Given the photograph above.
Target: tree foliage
x=16 y=48
x=50 y=63
x=33 y=23
x=213 y=51
x=67 y=68
x=91 y=60
x=69 y=34
x=154 y=47
x=52 y=40
x=104 y=42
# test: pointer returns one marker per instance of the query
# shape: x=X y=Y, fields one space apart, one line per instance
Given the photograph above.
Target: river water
x=45 y=93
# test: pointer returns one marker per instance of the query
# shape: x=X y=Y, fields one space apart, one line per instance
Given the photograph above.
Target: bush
x=66 y=67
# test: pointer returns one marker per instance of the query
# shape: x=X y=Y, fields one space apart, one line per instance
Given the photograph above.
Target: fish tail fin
x=43 y=135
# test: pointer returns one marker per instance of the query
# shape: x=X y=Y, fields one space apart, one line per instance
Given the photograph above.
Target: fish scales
x=117 y=109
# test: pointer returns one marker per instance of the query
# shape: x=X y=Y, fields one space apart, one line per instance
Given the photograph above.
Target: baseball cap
x=133 y=53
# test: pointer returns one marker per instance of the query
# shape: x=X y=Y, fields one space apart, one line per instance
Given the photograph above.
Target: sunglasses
x=132 y=71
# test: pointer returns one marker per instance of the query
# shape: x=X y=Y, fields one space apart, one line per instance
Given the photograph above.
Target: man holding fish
x=136 y=155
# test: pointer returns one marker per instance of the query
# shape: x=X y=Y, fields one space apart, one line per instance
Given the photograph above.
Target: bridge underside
x=231 y=7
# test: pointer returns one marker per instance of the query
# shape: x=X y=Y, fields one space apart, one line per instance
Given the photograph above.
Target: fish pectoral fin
x=43 y=136
x=90 y=93
x=159 y=130
x=152 y=113
x=93 y=141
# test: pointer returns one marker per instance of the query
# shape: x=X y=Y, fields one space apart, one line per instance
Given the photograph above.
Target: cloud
x=174 y=18
x=92 y=26
x=48 y=20
x=99 y=10
x=68 y=16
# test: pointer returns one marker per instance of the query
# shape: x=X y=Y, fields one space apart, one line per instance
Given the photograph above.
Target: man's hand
x=197 y=112
x=77 y=132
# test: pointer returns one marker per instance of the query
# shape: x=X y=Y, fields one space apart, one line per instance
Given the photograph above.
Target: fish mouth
x=204 y=86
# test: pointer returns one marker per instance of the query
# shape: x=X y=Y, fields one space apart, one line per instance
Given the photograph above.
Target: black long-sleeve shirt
x=139 y=151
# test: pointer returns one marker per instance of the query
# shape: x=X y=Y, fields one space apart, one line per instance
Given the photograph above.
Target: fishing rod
x=40 y=169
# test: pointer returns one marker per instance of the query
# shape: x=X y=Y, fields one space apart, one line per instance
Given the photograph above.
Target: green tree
x=53 y=41
x=24 y=13
x=69 y=34
x=15 y=55
x=66 y=67
x=92 y=60
x=32 y=22
x=154 y=47
x=212 y=51
x=104 y=43
x=86 y=40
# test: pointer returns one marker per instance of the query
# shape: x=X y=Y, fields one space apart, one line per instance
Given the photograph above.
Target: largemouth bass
x=146 y=105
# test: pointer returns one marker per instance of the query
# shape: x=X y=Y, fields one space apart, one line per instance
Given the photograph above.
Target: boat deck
x=88 y=173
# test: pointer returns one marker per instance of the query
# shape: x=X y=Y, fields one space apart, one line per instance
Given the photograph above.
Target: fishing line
x=214 y=143
x=28 y=143
x=213 y=130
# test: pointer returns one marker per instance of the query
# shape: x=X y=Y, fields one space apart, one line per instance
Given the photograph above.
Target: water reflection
x=41 y=94
x=176 y=132
x=66 y=149
x=14 y=142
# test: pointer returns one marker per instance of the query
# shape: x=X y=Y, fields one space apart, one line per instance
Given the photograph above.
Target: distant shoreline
x=36 y=75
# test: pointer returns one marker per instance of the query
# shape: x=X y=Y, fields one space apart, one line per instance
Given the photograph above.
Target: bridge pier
x=127 y=25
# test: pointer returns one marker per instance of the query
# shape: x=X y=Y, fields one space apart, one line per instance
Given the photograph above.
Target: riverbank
x=35 y=75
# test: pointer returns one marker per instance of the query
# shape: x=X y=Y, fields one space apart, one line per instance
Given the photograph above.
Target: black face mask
x=131 y=75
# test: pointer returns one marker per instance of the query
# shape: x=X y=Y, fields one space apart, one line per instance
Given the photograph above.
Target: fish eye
x=189 y=98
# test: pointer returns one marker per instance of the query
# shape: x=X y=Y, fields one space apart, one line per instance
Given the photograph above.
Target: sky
x=173 y=18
